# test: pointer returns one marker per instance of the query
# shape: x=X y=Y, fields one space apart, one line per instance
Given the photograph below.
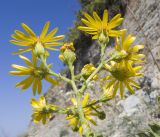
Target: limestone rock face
x=124 y=118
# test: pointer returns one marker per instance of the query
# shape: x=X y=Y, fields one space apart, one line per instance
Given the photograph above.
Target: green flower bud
x=103 y=38
x=39 y=49
x=69 y=56
x=101 y=115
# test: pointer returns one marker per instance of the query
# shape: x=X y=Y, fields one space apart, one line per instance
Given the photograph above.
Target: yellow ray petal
x=34 y=87
x=42 y=100
x=26 y=83
x=89 y=29
x=121 y=90
x=51 y=34
x=134 y=83
x=28 y=30
x=115 y=23
x=53 y=44
x=110 y=83
x=34 y=59
x=74 y=101
x=128 y=41
x=21 y=68
x=136 y=48
x=115 y=89
x=60 y=37
x=20 y=51
x=52 y=48
x=114 y=18
x=21 y=43
x=35 y=103
x=115 y=33
x=131 y=90
x=43 y=119
x=20 y=73
x=90 y=19
x=26 y=60
x=91 y=120
x=96 y=17
x=39 y=86
x=23 y=36
x=85 y=100
x=45 y=30
x=87 y=23
x=51 y=80
x=18 y=38
x=105 y=17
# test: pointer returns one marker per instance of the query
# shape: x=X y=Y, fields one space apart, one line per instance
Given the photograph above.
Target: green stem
x=77 y=93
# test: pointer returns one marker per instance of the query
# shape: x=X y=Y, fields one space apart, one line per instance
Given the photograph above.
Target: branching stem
x=51 y=72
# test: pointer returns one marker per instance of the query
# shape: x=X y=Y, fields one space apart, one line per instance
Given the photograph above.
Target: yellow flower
x=29 y=39
x=121 y=76
x=124 y=45
x=42 y=111
x=75 y=122
x=87 y=70
x=95 y=26
x=35 y=74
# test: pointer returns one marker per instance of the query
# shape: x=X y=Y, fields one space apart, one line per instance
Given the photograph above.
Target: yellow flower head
x=124 y=45
x=42 y=111
x=121 y=76
x=74 y=118
x=87 y=70
x=35 y=74
x=95 y=26
x=29 y=39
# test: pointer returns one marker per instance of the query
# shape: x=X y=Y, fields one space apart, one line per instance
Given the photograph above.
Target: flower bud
x=39 y=49
x=101 y=115
x=69 y=56
x=103 y=39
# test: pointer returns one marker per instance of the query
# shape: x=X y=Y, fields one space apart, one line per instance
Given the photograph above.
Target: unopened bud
x=104 y=39
x=101 y=115
x=69 y=56
x=39 y=49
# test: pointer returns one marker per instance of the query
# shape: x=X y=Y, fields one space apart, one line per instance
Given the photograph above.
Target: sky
x=15 y=109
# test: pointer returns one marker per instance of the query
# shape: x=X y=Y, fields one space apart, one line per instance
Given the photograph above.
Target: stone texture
x=124 y=118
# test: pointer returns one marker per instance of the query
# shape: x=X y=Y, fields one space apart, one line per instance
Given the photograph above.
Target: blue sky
x=15 y=110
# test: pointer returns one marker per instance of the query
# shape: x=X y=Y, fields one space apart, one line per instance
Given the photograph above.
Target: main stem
x=77 y=93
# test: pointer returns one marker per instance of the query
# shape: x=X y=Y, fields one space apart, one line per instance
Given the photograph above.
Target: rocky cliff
x=124 y=118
